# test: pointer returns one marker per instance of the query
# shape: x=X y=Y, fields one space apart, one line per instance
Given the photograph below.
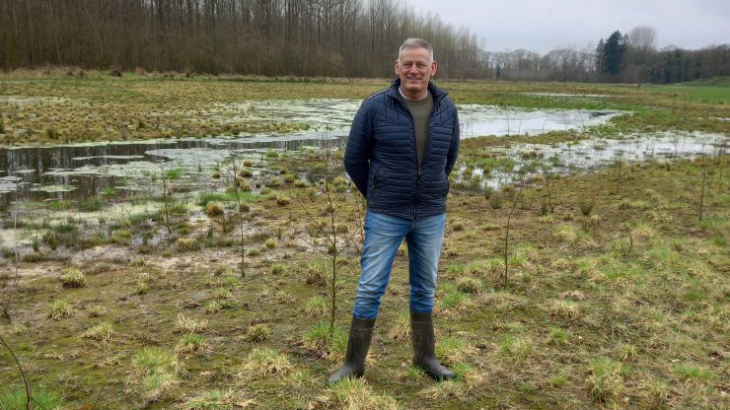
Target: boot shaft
x=422 y=335
x=358 y=341
x=358 y=344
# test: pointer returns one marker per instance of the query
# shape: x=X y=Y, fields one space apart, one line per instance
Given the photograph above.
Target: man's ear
x=397 y=67
x=434 y=66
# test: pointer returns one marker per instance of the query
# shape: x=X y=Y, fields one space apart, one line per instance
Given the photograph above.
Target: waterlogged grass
x=143 y=107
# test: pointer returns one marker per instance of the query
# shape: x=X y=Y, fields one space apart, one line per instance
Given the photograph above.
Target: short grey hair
x=415 y=42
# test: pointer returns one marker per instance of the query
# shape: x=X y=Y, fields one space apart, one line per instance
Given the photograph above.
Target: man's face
x=415 y=69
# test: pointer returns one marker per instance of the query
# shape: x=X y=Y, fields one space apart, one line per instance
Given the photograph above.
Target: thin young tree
x=165 y=181
x=703 y=188
x=506 y=235
x=236 y=187
x=330 y=231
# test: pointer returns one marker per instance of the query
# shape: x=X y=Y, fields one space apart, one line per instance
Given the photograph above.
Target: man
x=402 y=147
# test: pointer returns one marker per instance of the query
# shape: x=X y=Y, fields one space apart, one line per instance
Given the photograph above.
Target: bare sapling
x=630 y=247
x=330 y=231
x=703 y=189
x=506 y=235
x=236 y=186
x=549 y=209
x=165 y=180
x=333 y=250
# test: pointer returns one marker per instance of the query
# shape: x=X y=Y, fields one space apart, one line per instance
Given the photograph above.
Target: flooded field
x=185 y=255
x=82 y=171
x=85 y=170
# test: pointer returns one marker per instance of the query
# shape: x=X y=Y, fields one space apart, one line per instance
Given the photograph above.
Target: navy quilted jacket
x=381 y=156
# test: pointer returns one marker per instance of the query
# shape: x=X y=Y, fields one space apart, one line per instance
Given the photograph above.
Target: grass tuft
x=356 y=394
x=258 y=333
x=469 y=285
x=153 y=372
x=188 y=243
x=516 y=347
x=190 y=343
x=73 y=278
x=316 y=306
x=190 y=325
x=558 y=336
x=567 y=234
x=214 y=209
x=605 y=382
x=564 y=309
x=102 y=333
x=266 y=362
x=59 y=309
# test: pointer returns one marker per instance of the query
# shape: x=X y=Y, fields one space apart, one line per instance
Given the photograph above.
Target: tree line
x=631 y=58
x=355 y=38
x=338 y=38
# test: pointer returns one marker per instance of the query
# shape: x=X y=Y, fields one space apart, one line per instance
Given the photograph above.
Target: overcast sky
x=542 y=25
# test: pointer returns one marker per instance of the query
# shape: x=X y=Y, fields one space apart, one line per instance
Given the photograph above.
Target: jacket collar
x=437 y=93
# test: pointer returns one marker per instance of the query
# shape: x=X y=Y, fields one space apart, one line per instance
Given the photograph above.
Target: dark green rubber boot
x=424 y=351
x=358 y=344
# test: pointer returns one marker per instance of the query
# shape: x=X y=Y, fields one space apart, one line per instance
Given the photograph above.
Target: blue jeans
x=383 y=236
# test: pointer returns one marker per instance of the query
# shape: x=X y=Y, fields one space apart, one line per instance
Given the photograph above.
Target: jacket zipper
x=415 y=145
x=425 y=154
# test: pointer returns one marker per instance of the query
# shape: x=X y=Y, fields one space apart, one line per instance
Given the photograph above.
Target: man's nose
x=413 y=70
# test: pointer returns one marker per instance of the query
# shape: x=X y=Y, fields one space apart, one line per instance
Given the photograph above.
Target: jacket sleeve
x=454 y=148
x=357 y=152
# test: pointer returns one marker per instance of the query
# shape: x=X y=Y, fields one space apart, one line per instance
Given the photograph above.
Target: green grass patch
x=15 y=398
x=207 y=197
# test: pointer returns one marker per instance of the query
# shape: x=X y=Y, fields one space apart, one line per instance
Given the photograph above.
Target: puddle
x=320 y=114
x=480 y=120
x=591 y=154
x=566 y=95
